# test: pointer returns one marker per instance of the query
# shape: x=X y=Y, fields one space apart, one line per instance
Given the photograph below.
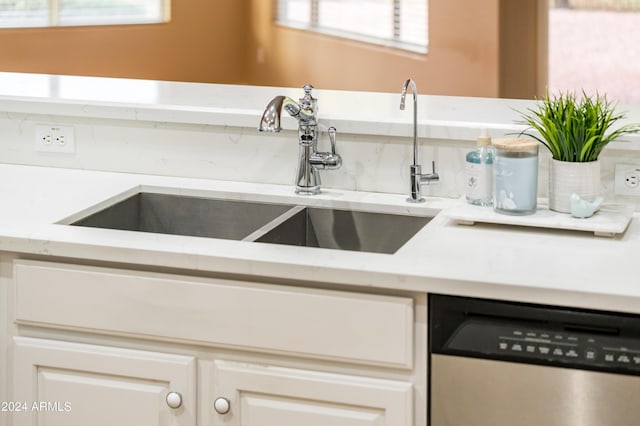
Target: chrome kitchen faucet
x=417 y=177
x=309 y=159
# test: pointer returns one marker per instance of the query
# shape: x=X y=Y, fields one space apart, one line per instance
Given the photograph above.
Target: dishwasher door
x=481 y=392
x=497 y=363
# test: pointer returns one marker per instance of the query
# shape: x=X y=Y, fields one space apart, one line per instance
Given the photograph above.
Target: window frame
x=393 y=42
x=53 y=18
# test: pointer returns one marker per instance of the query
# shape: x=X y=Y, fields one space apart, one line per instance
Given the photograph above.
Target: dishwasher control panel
x=555 y=346
x=538 y=334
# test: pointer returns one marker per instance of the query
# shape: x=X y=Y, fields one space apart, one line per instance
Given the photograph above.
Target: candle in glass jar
x=515 y=176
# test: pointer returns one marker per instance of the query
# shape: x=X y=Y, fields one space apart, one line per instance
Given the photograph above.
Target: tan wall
x=462 y=59
x=523 y=48
x=203 y=42
x=476 y=48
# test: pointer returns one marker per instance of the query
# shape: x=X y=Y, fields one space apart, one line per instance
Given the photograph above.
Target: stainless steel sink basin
x=256 y=221
x=346 y=230
x=184 y=215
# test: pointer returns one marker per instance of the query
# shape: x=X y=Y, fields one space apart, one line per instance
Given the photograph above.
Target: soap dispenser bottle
x=479 y=172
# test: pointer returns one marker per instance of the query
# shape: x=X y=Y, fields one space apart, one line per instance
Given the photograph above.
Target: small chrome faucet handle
x=433 y=176
x=327 y=160
x=307 y=101
x=332 y=138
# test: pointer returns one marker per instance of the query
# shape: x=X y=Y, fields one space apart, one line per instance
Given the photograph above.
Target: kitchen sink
x=346 y=230
x=185 y=215
x=257 y=221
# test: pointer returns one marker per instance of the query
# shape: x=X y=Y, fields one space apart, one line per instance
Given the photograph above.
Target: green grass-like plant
x=575 y=130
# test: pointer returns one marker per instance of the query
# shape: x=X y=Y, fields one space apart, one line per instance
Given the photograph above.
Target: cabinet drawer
x=315 y=323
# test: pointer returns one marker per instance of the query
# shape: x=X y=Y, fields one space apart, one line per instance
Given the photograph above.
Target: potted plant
x=574 y=130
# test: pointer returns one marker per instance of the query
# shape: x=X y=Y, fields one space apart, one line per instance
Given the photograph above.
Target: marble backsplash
x=370 y=163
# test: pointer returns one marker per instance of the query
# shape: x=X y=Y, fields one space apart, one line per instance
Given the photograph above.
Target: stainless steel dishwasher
x=495 y=363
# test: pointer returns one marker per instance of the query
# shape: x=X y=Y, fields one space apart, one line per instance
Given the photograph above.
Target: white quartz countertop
x=368 y=113
x=492 y=261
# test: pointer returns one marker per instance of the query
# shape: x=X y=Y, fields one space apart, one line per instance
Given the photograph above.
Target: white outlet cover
x=54 y=138
x=622 y=173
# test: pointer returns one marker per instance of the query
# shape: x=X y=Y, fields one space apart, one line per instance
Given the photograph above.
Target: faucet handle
x=307 y=102
x=327 y=160
x=430 y=177
x=332 y=138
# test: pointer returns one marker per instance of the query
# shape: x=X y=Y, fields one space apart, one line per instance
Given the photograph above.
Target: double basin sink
x=258 y=222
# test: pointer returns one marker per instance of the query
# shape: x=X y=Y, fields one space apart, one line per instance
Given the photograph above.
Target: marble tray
x=610 y=220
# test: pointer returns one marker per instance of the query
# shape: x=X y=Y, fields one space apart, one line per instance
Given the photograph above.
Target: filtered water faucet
x=417 y=177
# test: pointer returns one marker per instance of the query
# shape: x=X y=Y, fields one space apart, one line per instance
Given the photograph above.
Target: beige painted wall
x=203 y=42
x=477 y=48
x=523 y=47
x=462 y=59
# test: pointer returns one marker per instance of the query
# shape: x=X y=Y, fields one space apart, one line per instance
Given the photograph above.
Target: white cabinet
x=359 y=358
x=70 y=384
x=259 y=395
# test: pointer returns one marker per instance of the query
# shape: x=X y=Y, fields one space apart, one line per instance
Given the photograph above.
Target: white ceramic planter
x=566 y=178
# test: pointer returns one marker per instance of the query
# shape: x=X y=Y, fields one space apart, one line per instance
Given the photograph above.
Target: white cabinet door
x=266 y=396
x=69 y=384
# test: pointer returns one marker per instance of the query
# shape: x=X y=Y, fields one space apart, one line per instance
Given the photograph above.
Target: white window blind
x=47 y=13
x=397 y=23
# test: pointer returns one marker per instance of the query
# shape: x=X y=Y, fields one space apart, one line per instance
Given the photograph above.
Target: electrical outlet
x=627 y=179
x=55 y=139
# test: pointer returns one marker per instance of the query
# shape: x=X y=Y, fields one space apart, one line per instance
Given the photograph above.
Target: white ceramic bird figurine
x=582 y=208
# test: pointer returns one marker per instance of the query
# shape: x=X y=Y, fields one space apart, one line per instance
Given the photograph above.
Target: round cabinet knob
x=174 y=399
x=222 y=405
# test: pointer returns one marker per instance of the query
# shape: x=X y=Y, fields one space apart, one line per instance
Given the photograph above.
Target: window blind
x=44 y=13
x=398 y=23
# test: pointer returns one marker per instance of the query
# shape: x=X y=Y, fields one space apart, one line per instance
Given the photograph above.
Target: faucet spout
x=403 y=95
x=415 y=170
x=270 y=120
